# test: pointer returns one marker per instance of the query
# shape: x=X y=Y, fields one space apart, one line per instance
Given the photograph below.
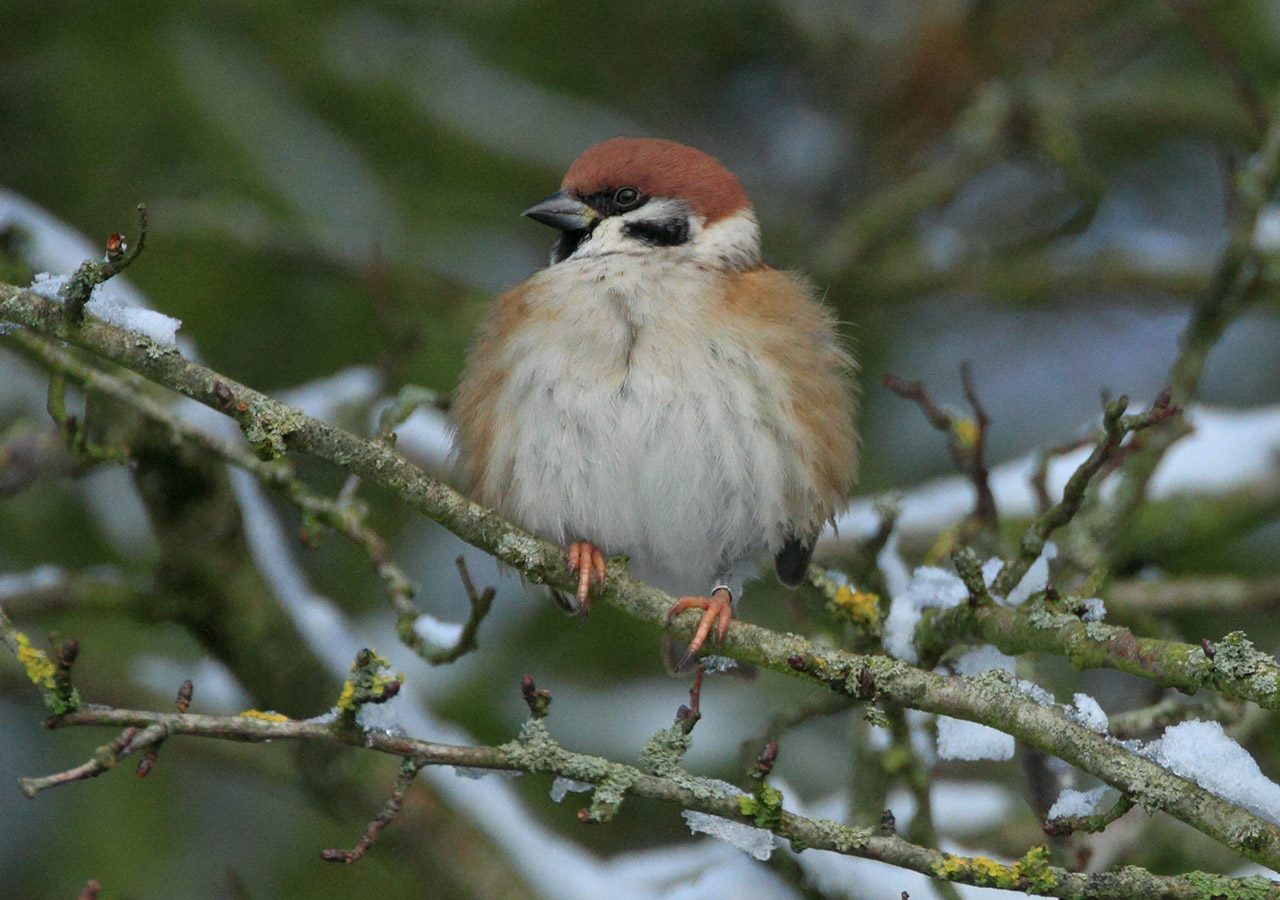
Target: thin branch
x=1172 y=710
x=1090 y=824
x=347 y=518
x=480 y=602
x=966 y=438
x=1234 y=283
x=409 y=770
x=1116 y=427
x=1193 y=594
x=129 y=741
x=1236 y=670
x=536 y=751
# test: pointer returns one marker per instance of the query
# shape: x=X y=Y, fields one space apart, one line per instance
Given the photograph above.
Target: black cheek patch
x=660 y=232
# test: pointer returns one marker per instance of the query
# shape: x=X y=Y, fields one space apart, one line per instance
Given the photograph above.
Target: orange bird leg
x=717 y=610
x=588 y=562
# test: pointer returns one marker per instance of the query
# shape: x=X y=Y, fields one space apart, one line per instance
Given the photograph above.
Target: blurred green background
x=1037 y=187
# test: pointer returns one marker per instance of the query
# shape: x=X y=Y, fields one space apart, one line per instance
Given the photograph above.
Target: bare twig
x=1116 y=427
x=480 y=601
x=409 y=770
x=129 y=741
x=1233 y=285
x=966 y=438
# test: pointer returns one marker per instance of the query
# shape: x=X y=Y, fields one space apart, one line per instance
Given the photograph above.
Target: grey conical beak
x=562 y=211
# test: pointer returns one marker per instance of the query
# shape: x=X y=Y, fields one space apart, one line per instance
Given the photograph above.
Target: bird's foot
x=717 y=612
x=586 y=560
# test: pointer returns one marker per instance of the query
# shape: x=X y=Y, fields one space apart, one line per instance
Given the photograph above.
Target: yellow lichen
x=39 y=667
x=965 y=432
x=346 y=699
x=1031 y=873
x=978 y=870
x=859 y=606
x=267 y=716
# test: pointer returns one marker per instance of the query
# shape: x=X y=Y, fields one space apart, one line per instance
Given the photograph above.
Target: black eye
x=627 y=198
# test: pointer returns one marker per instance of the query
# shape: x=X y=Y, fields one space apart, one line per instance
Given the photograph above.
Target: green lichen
x=267 y=427
x=1227 y=888
x=607 y=798
x=662 y=753
x=1033 y=871
x=764 y=807
x=1236 y=657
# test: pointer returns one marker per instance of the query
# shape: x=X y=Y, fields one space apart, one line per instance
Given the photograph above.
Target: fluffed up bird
x=659 y=391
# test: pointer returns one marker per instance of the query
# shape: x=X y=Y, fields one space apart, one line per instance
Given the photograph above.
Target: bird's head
x=645 y=195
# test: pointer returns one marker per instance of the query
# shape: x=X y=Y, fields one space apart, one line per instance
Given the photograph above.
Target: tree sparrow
x=658 y=390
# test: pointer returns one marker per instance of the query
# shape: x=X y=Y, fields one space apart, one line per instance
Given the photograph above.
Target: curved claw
x=588 y=562
x=717 y=612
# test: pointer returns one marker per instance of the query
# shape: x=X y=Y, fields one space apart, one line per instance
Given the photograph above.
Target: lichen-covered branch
x=347 y=518
x=536 y=751
x=274 y=428
x=1237 y=669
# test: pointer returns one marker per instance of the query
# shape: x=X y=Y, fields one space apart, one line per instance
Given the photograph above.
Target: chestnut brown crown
x=658 y=168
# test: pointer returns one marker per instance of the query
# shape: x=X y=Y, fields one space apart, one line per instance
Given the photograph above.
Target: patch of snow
x=1035 y=692
x=990 y=569
x=928 y=587
x=1094 y=609
x=110 y=308
x=48 y=285
x=889 y=561
x=41 y=578
x=1078 y=803
x=382 y=717
x=435 y=632
x=958 y=739
x=109 y=303
x=755 y=842
x=1036 y=579
x=1088 y=713
x=1204 y=753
